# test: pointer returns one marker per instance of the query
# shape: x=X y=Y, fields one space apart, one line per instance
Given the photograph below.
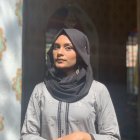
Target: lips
x=60 y=60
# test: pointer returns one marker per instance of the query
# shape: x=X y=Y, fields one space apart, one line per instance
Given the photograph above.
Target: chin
x=60 y=67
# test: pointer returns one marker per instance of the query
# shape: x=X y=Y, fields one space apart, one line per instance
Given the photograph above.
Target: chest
x=80 y=111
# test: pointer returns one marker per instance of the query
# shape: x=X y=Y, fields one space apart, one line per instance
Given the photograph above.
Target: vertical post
x=33 y=49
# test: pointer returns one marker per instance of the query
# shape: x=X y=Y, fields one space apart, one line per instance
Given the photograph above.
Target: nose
x=60 y=50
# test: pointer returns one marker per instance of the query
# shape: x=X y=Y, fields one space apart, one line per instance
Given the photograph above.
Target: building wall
x=10 y=68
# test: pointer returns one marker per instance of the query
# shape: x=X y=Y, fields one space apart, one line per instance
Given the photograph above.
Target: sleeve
x=31 y=125
x=107 y=124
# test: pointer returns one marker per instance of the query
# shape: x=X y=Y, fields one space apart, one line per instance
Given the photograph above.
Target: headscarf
x=76 y=86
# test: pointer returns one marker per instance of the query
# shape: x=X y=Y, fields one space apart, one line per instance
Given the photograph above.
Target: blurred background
x=26 y=32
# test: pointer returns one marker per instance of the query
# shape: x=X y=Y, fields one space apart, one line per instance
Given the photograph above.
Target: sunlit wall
x=10 y=68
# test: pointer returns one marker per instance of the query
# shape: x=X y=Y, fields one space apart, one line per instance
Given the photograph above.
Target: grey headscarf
x=70 y=88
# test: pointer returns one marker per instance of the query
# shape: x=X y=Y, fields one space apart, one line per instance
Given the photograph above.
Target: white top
x=46 y=117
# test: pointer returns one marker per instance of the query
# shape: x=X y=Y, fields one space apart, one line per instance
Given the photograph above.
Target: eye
x=56 y=46
x=69 y=47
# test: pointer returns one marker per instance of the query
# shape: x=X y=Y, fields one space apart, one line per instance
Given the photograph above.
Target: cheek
x=54 y=54
x=73 y=58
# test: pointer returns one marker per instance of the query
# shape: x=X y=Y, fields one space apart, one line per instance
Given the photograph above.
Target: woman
x=69 y=104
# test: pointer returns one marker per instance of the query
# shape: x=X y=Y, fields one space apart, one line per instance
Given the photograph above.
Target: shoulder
x=39 y=86
x=38 y=90
x=41 y=90
x=101 y=92
x=98 y=86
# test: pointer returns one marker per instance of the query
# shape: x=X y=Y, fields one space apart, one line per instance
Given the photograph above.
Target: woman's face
x=64 y=54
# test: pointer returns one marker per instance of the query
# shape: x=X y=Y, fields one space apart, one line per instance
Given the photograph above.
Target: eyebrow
x=64 y=44
x=68 y=44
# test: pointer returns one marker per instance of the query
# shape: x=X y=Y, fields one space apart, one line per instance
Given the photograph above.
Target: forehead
x=62 y=39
